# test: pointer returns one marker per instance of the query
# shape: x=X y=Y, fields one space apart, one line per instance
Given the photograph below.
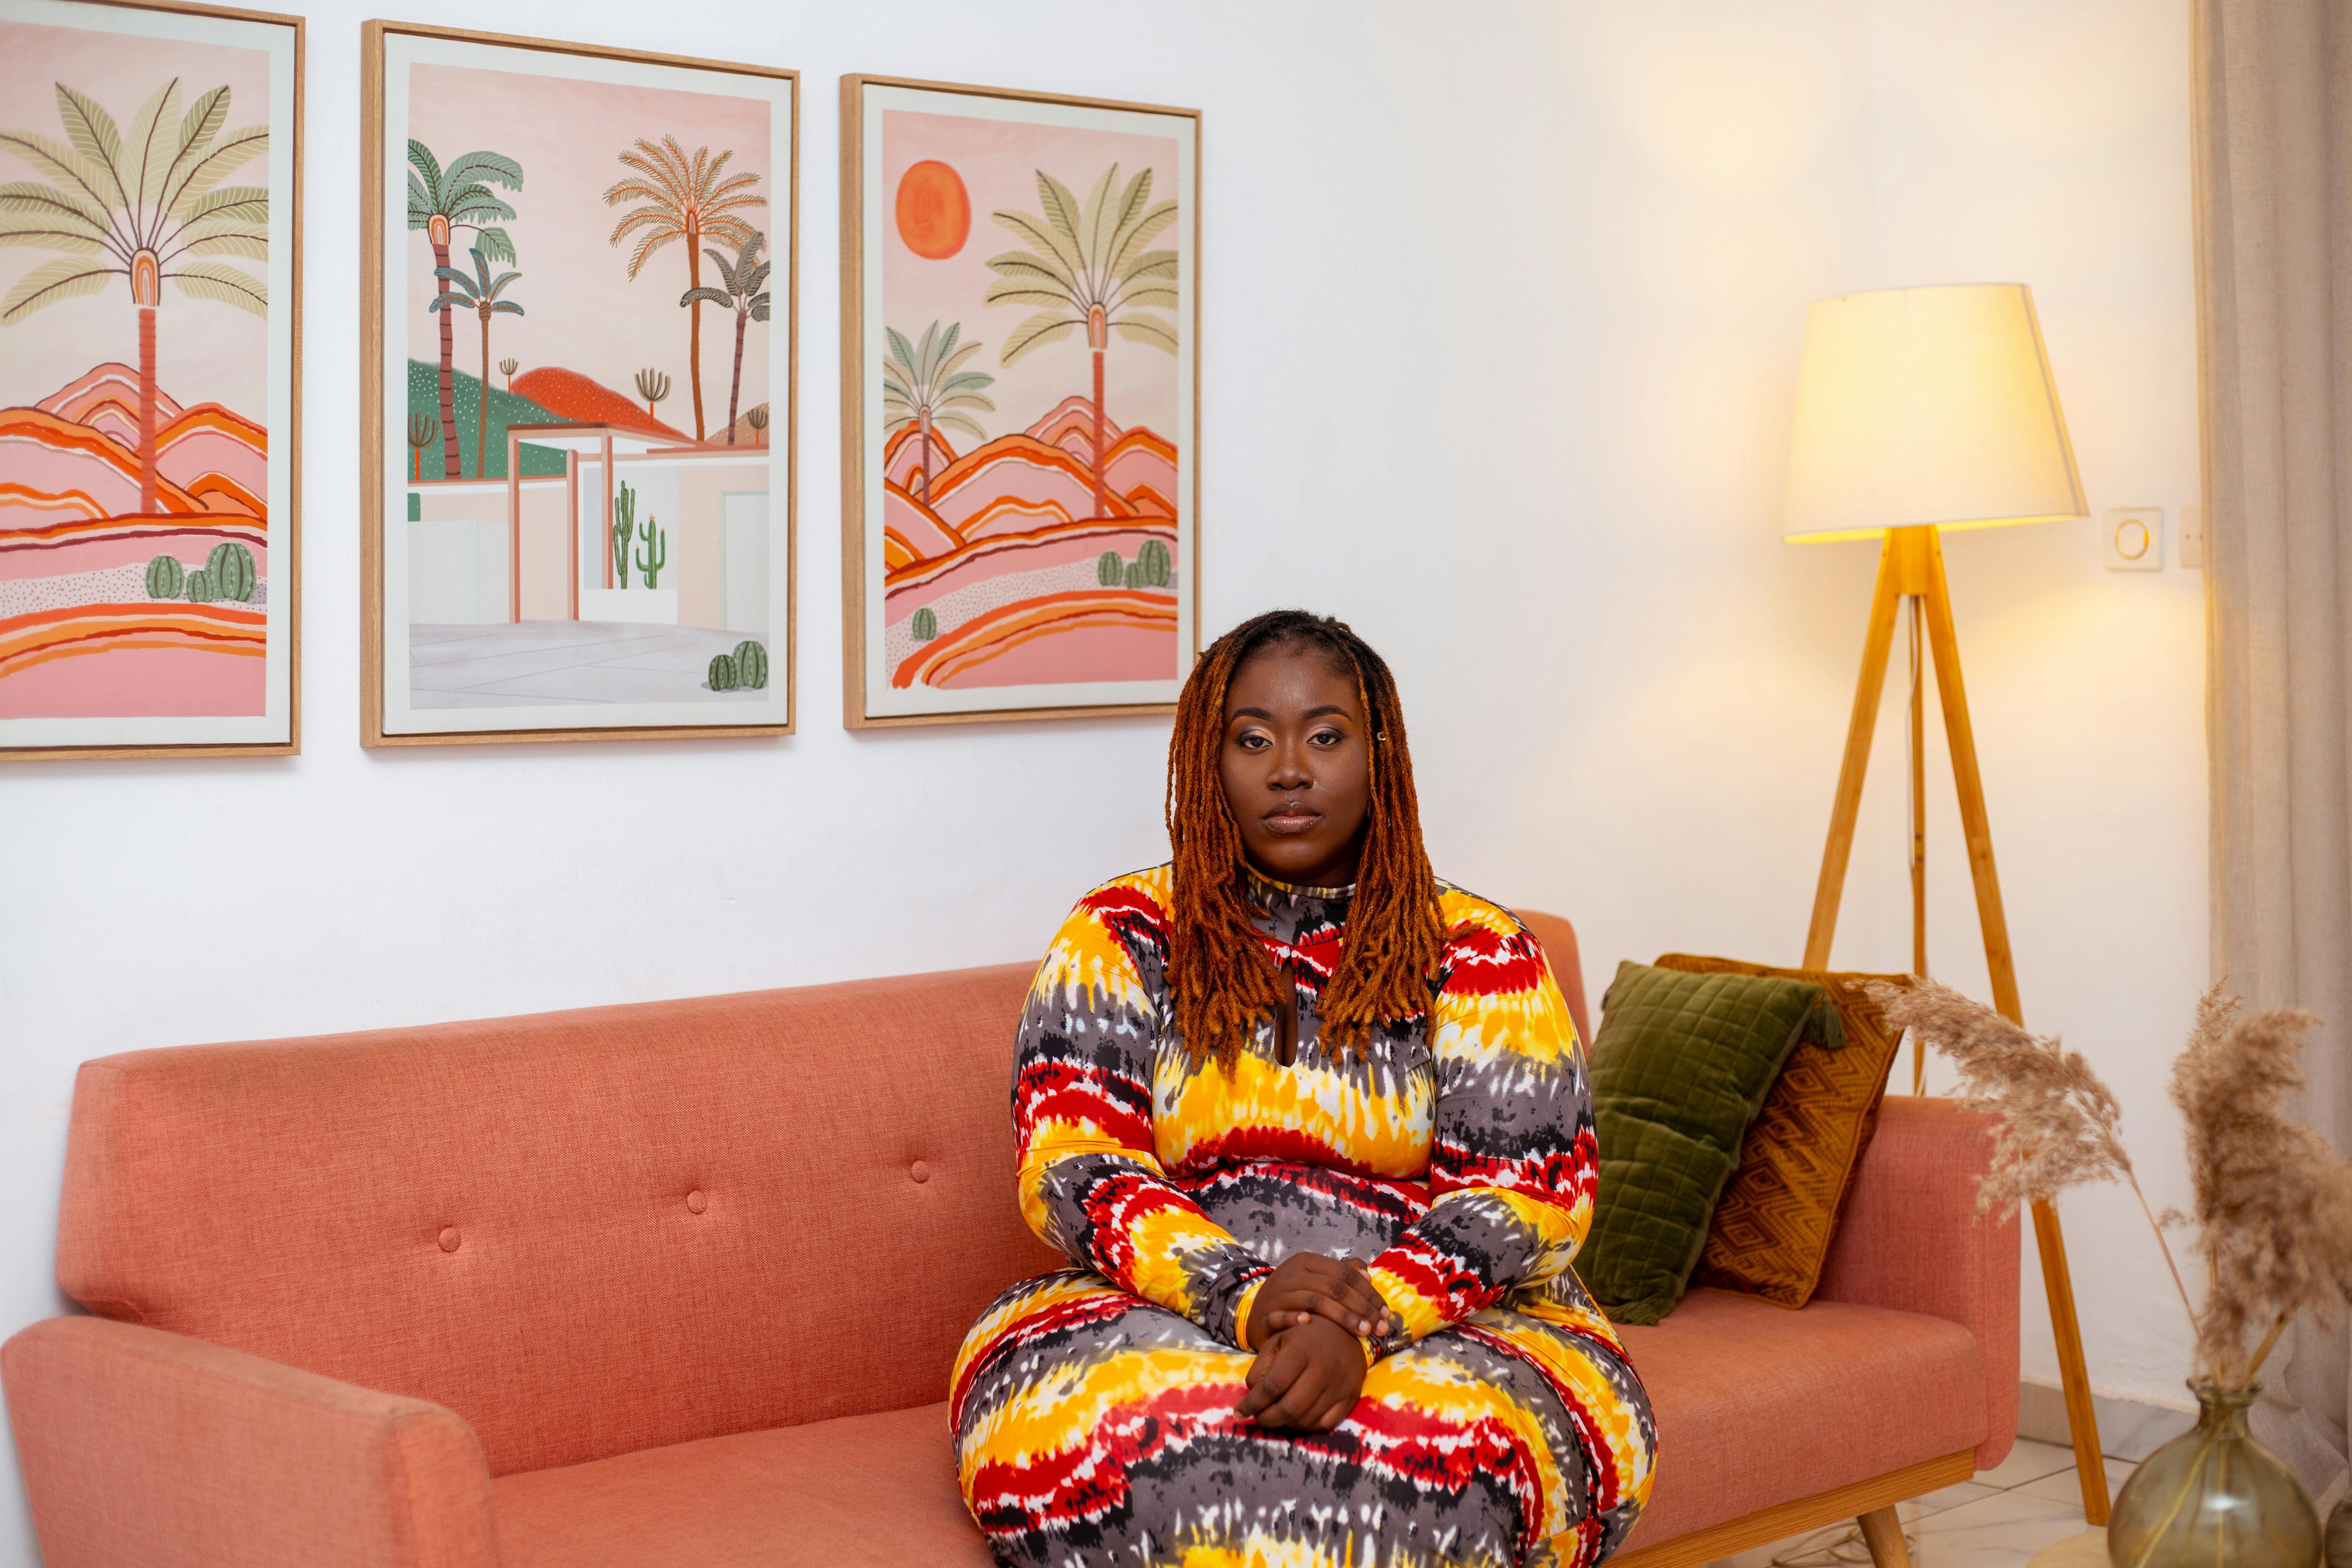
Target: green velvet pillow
x=1680 y=1067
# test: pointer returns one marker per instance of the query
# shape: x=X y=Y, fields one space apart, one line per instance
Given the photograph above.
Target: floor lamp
x=1920 y=411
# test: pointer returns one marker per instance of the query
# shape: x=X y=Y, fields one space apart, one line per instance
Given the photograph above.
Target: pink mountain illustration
x=1071 y=427
x=106 y=398
x=1017 y=485
x=84 y=635
x=212 y=460
x=902 y=459
x=1014 y=524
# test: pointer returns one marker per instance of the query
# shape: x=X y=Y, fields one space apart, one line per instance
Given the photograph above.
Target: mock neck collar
x=1266 y=891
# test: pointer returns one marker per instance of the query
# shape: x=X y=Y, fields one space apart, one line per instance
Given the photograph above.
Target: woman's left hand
x=1307 y=1377
x=1306 y=1284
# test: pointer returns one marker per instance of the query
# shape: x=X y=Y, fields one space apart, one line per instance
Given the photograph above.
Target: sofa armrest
x=1909 y=1237
x=146 y=1447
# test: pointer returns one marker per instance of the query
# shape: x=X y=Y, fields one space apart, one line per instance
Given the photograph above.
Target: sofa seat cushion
x=1757 y=1405
x=859 y=1490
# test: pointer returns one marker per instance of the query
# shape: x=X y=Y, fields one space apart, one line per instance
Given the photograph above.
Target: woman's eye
x=1328 y=737
x=1252 y=742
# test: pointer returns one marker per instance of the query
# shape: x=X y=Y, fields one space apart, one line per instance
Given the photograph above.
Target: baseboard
x=2129 y=1429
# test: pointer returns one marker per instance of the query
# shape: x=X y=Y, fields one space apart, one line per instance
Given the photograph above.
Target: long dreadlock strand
x=1221 y=978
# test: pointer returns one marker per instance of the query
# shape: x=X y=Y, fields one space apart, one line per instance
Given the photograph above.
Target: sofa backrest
x=587 y=1232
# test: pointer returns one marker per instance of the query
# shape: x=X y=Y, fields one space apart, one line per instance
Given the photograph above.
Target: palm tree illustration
x=745 y=292
x=440 y=202
x=653 y=385
x=925 y=385
x=149 y=208
x=421 y=431
x=1089 y=267
x=506 y=367
x=481 y=293
x=757 y=418
x=692 y=199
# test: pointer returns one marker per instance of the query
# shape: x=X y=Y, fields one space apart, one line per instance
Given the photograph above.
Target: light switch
x=2192 y=537
x=2136 y=539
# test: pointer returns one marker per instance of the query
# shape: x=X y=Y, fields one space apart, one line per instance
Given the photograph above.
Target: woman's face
x=1297 y=764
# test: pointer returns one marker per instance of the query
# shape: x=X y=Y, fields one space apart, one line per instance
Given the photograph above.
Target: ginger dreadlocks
x=1221 y=977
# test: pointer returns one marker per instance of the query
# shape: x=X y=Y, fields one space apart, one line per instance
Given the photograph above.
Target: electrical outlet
x=2191 y=538
x=2135 y=539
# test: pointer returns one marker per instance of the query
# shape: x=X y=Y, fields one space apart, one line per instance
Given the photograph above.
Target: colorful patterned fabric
x=1093 y=1409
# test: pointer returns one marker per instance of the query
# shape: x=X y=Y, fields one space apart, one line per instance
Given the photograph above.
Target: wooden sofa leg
x=1882 y=1533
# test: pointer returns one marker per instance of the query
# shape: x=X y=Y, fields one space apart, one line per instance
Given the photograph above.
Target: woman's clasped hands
x=1306 y=1322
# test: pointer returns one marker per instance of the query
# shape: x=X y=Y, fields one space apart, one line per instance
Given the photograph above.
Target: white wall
x=2065 y=163
x=1503 y=304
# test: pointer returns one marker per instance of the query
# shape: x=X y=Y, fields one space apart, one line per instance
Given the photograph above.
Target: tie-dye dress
x=1093 y=1409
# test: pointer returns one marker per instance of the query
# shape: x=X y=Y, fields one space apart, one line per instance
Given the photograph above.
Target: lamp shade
x=1927 y=405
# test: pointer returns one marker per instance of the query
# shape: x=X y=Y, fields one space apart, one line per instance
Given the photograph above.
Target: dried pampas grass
x=2272 y=1203
x=2059 y=1123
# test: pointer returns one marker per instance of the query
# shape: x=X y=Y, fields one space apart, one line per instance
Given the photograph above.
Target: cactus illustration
x=1109 y=570
x=230 y=566
x=1154 y=565
x=624 y=524
x=924 y=624
x=723 y=675
x=1134 y=576
x=165 y=578
x=656 y=553
x=752 y=665
x=200 y=588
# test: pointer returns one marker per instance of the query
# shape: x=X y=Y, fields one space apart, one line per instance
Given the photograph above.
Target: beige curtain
x=2274 y=179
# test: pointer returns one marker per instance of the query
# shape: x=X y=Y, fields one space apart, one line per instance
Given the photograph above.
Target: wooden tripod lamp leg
x=1918 y=832
x=2081 y=1417
x=1911 y=562
x=1875 y=644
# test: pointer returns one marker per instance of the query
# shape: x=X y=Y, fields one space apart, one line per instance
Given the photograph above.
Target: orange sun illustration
x=934 y=212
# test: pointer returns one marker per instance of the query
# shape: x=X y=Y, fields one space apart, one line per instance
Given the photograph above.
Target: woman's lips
x=1291 y=820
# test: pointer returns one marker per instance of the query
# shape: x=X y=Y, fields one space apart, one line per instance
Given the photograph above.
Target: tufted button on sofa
x=679 y=1284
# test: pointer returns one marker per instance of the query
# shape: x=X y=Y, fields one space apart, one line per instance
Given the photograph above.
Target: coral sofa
x=679 y=1284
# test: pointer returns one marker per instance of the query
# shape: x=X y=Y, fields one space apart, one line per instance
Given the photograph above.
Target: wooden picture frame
x=193 y=454
x=635 y=661
x=945 y=672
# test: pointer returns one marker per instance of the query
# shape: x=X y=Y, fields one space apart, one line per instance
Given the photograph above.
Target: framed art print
x=151 y=174
x=1020 y=288
x=578 y=399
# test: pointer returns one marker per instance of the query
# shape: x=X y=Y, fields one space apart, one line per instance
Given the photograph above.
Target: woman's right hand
x=1308 y=1285
x=1307 y=1377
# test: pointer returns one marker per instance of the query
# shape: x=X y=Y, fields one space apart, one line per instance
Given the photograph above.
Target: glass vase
x=2338 y=1546
x=2214 y=1497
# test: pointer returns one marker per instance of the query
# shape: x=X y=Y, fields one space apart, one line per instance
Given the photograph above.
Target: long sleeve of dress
x=1091 y=1184
x=1514 y=1160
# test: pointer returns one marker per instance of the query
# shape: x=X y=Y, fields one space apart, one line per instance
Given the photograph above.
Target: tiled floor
x=1998 y=1520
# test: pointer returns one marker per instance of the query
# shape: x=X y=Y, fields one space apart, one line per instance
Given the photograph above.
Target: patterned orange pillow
x=1772 y=1227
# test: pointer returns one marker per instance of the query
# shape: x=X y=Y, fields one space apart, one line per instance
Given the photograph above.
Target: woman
x=1313 y=1129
